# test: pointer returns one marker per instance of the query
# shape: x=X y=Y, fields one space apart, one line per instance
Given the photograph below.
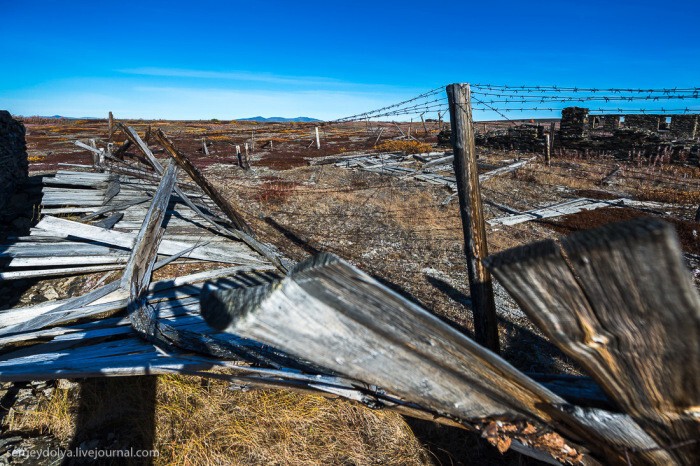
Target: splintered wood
x=620 y=301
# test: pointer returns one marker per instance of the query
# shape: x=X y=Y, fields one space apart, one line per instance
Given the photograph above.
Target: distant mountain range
x=279 y=119
x=257 y=118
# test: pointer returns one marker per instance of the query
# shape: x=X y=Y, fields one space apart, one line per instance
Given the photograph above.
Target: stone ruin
x=14 y=167
x=684 y=126
x=673 y=138
x=577 y=123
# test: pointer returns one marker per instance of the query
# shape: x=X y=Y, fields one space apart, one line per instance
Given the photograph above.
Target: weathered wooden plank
x=507 y=169
x=338 y=317
x=137 y=273
x=20 y=274
x=620 y=301
x=556 y=210
x=58 y=261
x=126 y=240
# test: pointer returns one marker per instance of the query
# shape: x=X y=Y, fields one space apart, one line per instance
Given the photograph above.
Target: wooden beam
x=471 y=211
x=224 y=204
x=620 y=301
x=137 y=273
x=334 y=315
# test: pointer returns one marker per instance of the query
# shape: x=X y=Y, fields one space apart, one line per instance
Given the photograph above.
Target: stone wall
x=647 y=122
x=684 y=126
x=14 y=166
x=574 y=123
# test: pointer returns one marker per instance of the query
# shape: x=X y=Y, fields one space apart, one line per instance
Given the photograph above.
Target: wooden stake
x=547 y=148
x=318 y=141
x=204 y=146
x=484 y=308
x=110 y=127
x=239 y=156
x=552 y=127
x=246 y=163
x=381 y=130
x=425 y=128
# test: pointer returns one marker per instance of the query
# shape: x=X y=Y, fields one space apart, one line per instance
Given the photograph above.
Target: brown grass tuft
x=407 y=147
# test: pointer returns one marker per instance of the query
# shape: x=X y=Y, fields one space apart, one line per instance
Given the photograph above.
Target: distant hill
x=61 y=117
x=279 y=119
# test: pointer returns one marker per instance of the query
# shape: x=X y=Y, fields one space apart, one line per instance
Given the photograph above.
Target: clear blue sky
x=205 y=59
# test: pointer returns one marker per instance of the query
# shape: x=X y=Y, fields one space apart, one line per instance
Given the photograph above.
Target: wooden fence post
x=481 y=287
x=110 y=123
x=552 y=128
x=318 y=140
x=547 y=148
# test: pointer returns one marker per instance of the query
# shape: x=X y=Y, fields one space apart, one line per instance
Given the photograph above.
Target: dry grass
x=53 y=416
x=407 y=147
x=212 y=425
x=203 y=422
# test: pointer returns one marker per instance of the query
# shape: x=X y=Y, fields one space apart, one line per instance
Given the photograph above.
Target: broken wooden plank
x=109 y=222
x=338 y=317
x=137 y=273
x=556 y=210
x=126 y=240
x=60 y=272
x=507 y=169
x=197 y=176
x=620 y=301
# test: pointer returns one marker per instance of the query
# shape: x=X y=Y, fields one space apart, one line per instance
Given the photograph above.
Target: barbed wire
x=611 y=90
x=382 y=111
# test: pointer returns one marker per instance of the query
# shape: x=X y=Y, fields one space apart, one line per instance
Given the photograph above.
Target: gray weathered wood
x=620 y=301
x=336 y=316
x=471 y=212
x=126 y=240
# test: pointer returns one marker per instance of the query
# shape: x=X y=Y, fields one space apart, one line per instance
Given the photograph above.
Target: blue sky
x=232 y=59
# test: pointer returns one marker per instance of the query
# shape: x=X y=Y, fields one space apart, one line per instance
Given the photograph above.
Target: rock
x=65 y=384
x=50 y=293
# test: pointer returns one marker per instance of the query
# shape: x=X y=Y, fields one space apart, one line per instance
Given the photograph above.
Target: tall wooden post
x=547 y=148
x=471 y=211
x=110 y=123
x=318 y=140
x=552 y=128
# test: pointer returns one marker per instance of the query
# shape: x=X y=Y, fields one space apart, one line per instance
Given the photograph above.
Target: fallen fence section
x=436 y=167
x=332 y=314
x=569 y=207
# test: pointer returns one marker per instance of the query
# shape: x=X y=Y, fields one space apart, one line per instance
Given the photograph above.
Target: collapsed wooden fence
x=617 y=300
